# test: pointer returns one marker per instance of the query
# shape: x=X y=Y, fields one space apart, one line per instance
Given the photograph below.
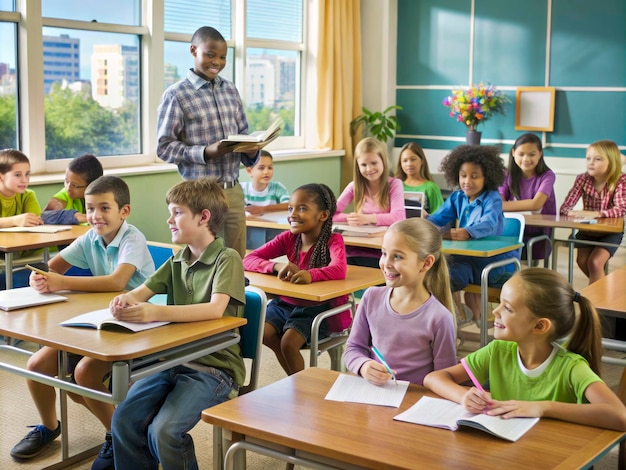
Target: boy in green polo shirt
x=203 y=281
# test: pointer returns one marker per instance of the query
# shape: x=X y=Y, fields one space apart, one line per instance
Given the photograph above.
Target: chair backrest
x=252 y=333
x=514 y=224
x=161 y=252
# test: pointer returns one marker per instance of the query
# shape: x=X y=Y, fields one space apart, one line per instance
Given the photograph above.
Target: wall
x=148 y=208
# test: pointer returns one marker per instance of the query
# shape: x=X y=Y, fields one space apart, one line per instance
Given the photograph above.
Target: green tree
x=8 y=134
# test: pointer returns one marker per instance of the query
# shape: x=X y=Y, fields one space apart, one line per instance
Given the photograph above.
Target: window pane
x=92 y=103
x=186 y=16
x=178 y=60
x=271 y=91
x=279 y=19
x=126 y=12
x=7 y=5
x=8 y=87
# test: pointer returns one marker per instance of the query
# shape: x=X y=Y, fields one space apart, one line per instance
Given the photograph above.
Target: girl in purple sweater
x=409 y=319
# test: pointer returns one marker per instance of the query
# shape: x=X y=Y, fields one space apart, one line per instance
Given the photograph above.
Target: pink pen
x=472 y=376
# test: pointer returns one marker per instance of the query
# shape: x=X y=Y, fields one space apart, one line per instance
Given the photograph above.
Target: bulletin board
x=534 y=110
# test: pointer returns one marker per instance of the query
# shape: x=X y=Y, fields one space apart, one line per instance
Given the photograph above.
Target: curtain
x=339 y=77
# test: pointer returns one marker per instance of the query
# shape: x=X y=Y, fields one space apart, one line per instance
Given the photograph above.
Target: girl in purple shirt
x=529 y=186
x=409 y=319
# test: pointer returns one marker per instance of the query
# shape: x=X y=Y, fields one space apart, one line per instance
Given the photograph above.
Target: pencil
x=37 y=270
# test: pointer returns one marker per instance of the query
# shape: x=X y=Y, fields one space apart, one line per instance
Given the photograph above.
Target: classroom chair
x=161 y=252
x=251 y=344
x=514 y=224
x=339 y=320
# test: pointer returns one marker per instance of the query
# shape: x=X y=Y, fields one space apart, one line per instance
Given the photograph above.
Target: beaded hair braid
x=325 y=200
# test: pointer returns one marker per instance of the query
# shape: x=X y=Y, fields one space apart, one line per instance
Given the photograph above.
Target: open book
x=447 y=414
x=360 y=230
x=23 y=297
x=103 y=320
x=38 y=229
x=259 y=136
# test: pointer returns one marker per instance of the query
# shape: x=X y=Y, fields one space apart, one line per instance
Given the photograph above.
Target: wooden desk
x=292 y=413
x=357 y=278
x=608 y=294
x=13 y=242
x=134 y=355
x=272 y=220
x=605 y=225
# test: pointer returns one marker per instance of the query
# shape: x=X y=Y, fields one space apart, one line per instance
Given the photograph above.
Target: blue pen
x=384 y=363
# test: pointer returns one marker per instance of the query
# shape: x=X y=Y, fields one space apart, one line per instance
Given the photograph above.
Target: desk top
x=367 y=435
x=358 y=277
x=482 y=248
x=41 y=325
x=11 y=242
x=275 y=220
x=608 y=294
x=612 y=225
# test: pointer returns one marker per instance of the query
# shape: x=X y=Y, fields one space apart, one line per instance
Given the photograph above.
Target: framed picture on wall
x=534 y=110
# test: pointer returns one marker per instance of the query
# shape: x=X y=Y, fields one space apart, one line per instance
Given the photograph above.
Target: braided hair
x=325 y=200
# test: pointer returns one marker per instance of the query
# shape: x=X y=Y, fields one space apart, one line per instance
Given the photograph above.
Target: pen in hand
x=384 y=363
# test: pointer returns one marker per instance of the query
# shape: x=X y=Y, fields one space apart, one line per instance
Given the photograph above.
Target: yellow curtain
x=339 y=77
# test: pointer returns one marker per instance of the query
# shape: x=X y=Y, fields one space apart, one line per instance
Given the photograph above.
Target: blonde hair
x=610 y=150
x=370 y=145
x=424 y=238
x=419 y=151
x=549 y=295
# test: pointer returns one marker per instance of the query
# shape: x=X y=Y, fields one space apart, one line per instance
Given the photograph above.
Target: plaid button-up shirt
x=195 y=113
x=609 y=205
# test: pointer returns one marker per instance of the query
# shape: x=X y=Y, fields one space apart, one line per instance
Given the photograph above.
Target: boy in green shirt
x=203 y=281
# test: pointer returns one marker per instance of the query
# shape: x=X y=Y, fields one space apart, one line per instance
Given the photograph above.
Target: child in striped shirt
x=261 y=194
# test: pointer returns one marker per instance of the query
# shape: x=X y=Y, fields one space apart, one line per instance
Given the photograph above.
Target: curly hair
x=487 y=157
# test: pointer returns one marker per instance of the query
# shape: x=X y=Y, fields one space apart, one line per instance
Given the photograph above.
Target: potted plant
x=474 y=105
x=375 y=124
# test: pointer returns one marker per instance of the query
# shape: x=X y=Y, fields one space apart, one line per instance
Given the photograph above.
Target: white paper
x=355 y=389
x=22 y=297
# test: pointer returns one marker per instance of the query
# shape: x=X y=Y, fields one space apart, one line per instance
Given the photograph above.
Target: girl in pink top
x=314 y=253
x=378 y=198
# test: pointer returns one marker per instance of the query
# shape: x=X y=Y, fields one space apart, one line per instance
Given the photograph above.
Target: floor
x=17 y=411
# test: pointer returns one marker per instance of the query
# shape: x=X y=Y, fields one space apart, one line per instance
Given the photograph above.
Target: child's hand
x=287 y=271
x=255 y=210
x=39 y=282
x=120 y=302
x=27 y=220
x=138 y=313
x=476 y=401
x=302 y=277
x=459 y=234
x=355 y=218
x=516 y=409
x=375 y=372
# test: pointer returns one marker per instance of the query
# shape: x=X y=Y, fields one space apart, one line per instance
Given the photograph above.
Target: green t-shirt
x=564 y=380
x=432 y=192
x=19 y=204
x=218 y=270
x=77 y=204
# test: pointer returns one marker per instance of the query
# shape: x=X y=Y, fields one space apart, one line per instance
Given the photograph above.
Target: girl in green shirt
x=413 y=170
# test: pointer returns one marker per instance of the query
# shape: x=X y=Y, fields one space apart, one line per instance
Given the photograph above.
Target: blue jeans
x=152 y=424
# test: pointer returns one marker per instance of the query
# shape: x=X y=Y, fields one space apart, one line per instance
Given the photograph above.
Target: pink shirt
x=385 y=216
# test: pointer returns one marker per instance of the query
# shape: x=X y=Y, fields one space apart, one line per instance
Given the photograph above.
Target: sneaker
x=104 y=461
x=35 y=441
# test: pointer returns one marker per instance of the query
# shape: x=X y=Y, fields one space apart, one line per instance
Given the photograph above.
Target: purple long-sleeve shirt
x=413 y=344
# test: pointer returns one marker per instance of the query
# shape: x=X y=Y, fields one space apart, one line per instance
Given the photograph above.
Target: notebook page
x=355 y=389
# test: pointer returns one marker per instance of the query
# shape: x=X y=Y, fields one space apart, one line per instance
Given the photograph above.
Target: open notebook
x=38 y=229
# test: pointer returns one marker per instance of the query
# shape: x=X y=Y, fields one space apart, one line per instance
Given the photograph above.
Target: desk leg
x=62 y=374
x=8 y=267
x=570 y=260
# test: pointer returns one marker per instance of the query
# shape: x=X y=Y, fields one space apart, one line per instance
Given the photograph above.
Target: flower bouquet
x=475 y=104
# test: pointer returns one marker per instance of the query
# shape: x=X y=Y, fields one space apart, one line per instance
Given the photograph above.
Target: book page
x=509 y=429
x=360 y=230
x=355 y=389
x=38 y=229
x=22 y=297
x=435 y=412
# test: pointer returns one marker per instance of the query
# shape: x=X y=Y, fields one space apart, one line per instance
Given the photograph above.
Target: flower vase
x=472 y=137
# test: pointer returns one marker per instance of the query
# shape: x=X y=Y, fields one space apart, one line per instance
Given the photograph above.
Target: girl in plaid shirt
x=603 y=189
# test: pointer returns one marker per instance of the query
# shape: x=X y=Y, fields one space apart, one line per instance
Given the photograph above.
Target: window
x=8 y=87
x=269 y=56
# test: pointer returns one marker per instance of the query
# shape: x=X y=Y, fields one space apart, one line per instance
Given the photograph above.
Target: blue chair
x=251 y=344
x=161 y=252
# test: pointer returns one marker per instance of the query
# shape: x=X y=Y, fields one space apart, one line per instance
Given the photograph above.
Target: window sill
x=278 y=155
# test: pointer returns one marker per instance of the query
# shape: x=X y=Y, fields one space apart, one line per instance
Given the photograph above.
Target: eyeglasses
x=74 y=186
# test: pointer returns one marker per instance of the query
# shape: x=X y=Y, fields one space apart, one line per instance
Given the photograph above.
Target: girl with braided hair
x=314 y=253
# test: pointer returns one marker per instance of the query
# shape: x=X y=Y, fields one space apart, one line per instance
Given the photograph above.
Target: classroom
x=407 y=53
